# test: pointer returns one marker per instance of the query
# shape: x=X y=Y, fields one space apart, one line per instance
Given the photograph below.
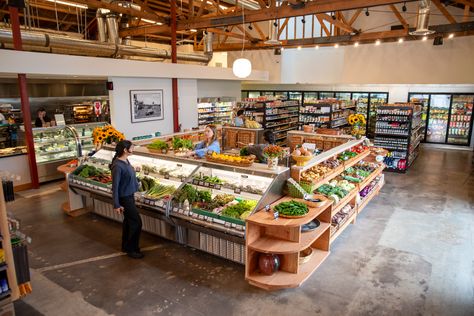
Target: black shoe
x=135 y=255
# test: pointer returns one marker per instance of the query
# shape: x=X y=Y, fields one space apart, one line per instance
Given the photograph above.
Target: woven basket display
x=232 y=163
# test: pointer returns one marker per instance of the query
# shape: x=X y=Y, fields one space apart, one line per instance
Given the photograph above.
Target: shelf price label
x=237 y=190
x=244 y=176
x=167 y=176
x=217 y=186
x=206 y=184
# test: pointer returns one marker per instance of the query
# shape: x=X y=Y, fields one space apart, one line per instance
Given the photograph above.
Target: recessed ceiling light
x=451 y=35
x=336 y=46
x=316 y=47
x=193 y=30
x=377 y=42
x=424 y=38
x=400 y=40
x=356 y=44
x=299 y=47
x=283 y=48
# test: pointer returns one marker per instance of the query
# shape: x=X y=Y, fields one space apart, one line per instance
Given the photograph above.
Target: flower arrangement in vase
x=273 y=152
x=358 y=122
x=106 y=134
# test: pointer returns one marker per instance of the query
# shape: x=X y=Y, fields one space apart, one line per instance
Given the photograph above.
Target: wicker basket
x=305 y=255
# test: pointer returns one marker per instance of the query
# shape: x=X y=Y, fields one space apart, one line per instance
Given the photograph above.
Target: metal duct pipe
x=112 y=27
x=101 y=26
x=423 y=19
x=208 y=50
x=272 y=33
x=93 y=48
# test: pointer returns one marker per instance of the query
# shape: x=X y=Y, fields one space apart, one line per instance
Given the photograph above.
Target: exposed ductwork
x=101 y=26
x=273 y=33
x=66 y=45
x=423 y=20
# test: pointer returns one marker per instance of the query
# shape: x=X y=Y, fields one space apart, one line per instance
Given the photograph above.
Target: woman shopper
x=210 y=144
x=124 y=186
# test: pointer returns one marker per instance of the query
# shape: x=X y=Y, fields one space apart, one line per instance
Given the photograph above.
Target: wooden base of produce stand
x=74 y=205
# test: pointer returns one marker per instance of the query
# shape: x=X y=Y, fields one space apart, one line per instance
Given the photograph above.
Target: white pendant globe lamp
x=242 y=67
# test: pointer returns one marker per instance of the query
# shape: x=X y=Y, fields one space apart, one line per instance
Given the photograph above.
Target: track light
x=226 y=30
x=333 y=16
x=303 y=21
x=404 y=8
x=250 y=27
x=367 y=13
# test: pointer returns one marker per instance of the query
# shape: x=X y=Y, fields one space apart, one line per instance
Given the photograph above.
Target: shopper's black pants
x=132 y=225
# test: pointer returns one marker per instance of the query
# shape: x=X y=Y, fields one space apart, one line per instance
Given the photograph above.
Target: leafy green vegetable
x=292 y=208
x=180 y=143
x=158 y=144
x=205 y=196
x=237 y=210
x=244 y=151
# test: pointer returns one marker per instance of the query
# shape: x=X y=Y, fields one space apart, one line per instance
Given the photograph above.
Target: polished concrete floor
x=411 y=252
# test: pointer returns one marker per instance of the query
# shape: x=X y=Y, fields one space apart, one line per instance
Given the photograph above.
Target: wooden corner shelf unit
x=283 y=236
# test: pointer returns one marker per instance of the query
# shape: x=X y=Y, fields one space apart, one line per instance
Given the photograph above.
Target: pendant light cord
x=243 y=28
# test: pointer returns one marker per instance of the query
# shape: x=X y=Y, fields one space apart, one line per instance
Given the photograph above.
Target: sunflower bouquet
x=358 y=123
x=106 y=134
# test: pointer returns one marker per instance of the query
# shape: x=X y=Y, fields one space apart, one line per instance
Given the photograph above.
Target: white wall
x=187 y=99
x=218 y=88
x=15 y=168
x=120 y=109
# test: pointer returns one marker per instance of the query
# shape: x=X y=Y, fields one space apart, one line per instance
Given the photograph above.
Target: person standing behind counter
x=124 y=186
x=42 y=119
x=239 y=120
x=257 y=150
x=210 y=144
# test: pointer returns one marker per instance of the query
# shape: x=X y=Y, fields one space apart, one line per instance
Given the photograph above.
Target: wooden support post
x=174 y=60
x=25 y=101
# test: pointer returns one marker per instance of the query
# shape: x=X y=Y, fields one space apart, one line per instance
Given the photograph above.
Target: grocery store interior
x=301 y=156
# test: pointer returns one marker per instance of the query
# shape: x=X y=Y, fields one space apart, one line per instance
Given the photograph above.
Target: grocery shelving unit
x=215 y=110
x=399 y=130
x=267 y=233
x=280 y=116
x=329 y=113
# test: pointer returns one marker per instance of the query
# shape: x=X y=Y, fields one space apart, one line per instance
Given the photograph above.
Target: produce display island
x=244 y=214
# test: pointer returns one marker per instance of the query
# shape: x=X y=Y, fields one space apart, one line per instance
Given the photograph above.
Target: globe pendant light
x=242 y=67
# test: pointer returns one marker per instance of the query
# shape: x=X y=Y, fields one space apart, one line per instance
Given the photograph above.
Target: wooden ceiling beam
x=283 y=11
x=354 y=17
x=466 y=2
x=262 y=4
x=144 y=6
x=260 y=32
x=282 y=27
x=323 y=26
x=336 y=23
x=144 y=30
x=445 y=12
x=399 y=16
x=158 y=17
x=41 y=18
x=227 y=34
x=467 y=11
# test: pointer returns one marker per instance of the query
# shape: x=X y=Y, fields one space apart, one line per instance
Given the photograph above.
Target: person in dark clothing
x=42 y=120
x=257 y=150
x=124 y=186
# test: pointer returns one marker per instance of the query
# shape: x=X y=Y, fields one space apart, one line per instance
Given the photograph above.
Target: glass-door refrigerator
x=361 y=101
x=326 y=95
x=438 y=117
x=254 y=94
x=282 y=95
x=424 y=99
x=376 y=99
x=292 y=95
x=460 y=120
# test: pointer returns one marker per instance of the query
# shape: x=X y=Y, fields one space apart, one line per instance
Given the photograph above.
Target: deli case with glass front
x=194 y=202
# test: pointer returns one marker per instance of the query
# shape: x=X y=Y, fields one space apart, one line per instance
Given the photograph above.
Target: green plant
x=158 y=144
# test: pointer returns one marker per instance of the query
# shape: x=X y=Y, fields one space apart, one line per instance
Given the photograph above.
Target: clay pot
x=268 y=263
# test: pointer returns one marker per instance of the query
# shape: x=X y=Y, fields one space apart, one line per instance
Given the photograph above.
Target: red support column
x=174 y=60
x=25 y=101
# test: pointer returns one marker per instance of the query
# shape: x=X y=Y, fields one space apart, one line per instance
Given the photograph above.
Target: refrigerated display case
x=343 y=96
x=84 y=136
x=424 y=100
x=54 y=146
x=460 y=120
x=298 y=96
x=361 y=100
x=254 y=94
x=202 y=212
x=375 y=100
x=438 y=118
x=326 y=95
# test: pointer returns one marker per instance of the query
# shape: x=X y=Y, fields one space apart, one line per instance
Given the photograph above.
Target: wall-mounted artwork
x=146 y=105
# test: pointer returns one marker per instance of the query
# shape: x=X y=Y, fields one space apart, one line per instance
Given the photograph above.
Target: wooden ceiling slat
x=399 y=16
x=337 y=23
x=283 y=11
x=467 y=10
x=445 y=12
x=259 y=31
x=354 y=17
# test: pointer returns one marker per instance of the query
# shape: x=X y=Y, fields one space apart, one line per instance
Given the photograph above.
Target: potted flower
x=106 y=134
x=273 y=152
x=358 y=125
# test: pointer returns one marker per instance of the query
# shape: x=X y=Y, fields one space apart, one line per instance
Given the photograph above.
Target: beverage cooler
x=449 y=117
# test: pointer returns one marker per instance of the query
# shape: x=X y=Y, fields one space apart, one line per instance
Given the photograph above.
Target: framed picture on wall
x=146 y=105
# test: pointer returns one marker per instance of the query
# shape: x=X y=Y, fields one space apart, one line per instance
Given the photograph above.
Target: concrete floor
x=411 y=252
